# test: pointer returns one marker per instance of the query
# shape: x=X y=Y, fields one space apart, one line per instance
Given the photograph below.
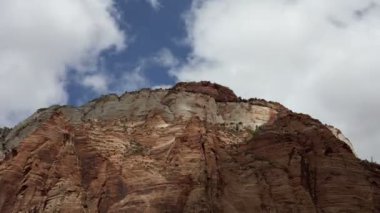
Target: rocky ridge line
x=182 y=150
x=3 y=134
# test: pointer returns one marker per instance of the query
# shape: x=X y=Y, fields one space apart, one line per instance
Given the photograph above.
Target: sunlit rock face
x=338 y=134
x=194 y=148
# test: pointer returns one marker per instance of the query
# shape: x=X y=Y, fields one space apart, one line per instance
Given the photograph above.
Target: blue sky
x=316 y=57
x=151 y=30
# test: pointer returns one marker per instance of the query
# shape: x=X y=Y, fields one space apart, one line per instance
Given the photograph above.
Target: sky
x=315 y=57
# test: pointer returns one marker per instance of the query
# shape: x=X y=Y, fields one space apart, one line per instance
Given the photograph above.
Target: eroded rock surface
x=218 y=92
x=182 y=151
x=3 y=134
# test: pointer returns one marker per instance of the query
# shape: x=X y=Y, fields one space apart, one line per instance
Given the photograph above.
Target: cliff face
x=3 y=134
x=193 y=148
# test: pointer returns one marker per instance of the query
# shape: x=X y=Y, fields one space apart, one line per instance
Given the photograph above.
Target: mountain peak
x=218 y=92
x=193 y=148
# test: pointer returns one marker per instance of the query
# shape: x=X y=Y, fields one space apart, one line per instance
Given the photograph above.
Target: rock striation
x=196 y=147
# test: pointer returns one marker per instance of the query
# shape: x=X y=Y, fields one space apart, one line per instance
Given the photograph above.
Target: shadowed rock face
x=182 y=150
x=3 y=134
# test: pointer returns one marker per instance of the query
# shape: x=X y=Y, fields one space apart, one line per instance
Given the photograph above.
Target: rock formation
x=194 y=148
x=218 y=92
x=3 y=134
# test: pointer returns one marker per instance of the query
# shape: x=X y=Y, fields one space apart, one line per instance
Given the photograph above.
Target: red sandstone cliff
x=193 y=148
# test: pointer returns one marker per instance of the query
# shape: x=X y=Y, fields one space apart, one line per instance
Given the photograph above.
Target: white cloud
x=133 y=80
x=316 y=57
x=137 y=78
x=162 y=86
x=156 y=5
x=165 y=58
x=98 y=82
x=40 y=40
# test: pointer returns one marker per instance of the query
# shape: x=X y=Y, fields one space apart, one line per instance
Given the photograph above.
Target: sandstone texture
x=193 y=148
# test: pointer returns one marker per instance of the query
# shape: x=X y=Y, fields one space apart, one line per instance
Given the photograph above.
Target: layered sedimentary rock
x=193 y=148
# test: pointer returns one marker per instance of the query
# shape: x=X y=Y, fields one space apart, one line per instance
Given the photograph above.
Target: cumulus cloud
x=156 y=5
x=165 y=58
x=98 y=82
x=40 y=41
x=134 y=80
x=316 y=57
x=162 y=86
x=138 y=77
